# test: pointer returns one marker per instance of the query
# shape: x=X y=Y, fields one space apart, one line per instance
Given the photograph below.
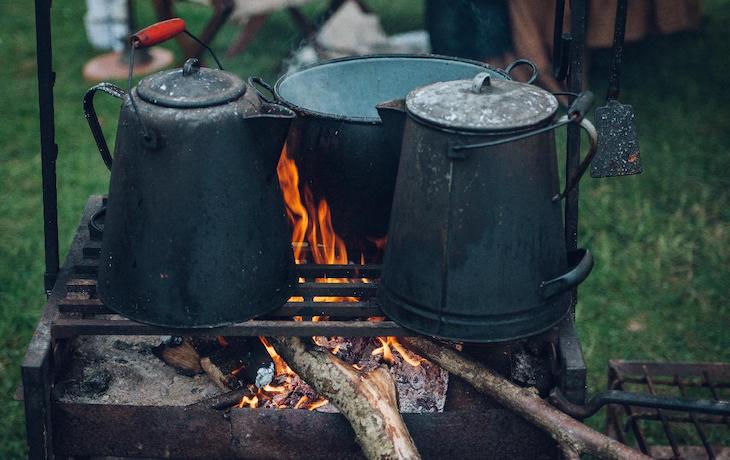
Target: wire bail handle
x=150 y=36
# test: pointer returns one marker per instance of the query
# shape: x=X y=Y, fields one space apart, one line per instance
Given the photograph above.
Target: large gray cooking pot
x=342 y=150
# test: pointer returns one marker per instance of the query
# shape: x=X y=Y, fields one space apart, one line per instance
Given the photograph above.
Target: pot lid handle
x=481 y=82
x=191 y=67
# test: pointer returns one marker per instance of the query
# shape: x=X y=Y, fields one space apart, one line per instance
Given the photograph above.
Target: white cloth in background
x=351 y=31
x=106 y=23
x=244 y=9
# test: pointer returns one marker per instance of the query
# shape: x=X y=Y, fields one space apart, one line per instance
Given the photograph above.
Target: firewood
x=214 y=374
x=182 y=356
x=222 y=401
x=368 y=401
x=573 y=436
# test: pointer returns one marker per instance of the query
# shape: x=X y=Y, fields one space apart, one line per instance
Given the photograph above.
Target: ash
x=420 y=388
x=123 y=370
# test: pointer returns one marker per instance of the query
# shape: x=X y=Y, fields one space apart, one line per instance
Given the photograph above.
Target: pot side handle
x=90 y=114
x=572 y=181
x=581 y=263
x=255 y=82
x=534 y=73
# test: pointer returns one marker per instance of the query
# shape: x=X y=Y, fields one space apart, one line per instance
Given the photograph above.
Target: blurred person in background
x=107 y=24
x=499 y=31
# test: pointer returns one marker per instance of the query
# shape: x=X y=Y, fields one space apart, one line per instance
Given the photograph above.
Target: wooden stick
x=367 y=400
x=572 y=436
x=222 y=401
x=183 y=357
x=215 y=374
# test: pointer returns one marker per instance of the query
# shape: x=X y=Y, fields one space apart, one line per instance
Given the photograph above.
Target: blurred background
x=661 y=239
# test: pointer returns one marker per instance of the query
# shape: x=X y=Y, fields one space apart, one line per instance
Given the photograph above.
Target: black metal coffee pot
x=195 y=234
x=476 y=249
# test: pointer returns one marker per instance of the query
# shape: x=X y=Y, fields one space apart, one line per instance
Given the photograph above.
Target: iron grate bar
x=660 y=413
x=632 y=421
x=289 y=310
x=713 y=389
x=89 y=264
x=67 y=328
x=697 y=440
x=345 y=303
x=305 y=289
x=695 y=421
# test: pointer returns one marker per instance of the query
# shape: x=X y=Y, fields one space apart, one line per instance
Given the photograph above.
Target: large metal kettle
x=476 y=249
x=195 y=232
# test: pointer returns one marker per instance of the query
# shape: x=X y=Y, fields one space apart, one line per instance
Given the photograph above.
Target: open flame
x=385 y=349
x=312 y=228
x=285 y=378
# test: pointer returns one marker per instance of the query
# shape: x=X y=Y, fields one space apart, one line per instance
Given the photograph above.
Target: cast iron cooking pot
x=342 y=150
x=195 y=233
x=476 y=248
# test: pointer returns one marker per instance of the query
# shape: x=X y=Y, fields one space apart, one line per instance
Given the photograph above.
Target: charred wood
x=215 y=374
x=222 y=401
x=180 y=354
x=573 y=436
x=368 y=401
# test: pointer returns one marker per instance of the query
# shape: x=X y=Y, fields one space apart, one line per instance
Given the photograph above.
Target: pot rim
x=367 y=120
x=476 y=132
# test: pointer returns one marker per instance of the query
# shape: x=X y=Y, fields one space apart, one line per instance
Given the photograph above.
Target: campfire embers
x=277 y=386
x=253 y=368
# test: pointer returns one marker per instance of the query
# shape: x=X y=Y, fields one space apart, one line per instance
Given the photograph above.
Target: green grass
x=661 y=240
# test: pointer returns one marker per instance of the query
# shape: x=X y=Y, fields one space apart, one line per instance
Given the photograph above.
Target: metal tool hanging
x=618 y=141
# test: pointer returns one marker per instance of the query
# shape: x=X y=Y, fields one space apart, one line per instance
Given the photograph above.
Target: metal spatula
x=618 y=142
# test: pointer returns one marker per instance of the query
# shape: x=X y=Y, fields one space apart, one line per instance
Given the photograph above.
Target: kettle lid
x=482 y=104
x=191 y=87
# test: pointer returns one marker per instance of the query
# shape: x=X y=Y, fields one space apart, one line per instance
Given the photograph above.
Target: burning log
x=367 y=400
x=574 y=437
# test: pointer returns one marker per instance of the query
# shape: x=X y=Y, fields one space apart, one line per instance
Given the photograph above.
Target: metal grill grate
x=669 y=434
x=81 y=312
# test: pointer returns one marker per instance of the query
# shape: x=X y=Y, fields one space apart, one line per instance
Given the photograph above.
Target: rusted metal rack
x=81 y=312
x=74 y=310
x=670 y=434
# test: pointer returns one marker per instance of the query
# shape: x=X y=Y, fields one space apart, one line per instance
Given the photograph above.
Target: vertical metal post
x=49 y=149
x=37 y=387
x=575 y=82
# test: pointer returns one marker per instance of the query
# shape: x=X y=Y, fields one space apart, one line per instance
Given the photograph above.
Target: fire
x=283 y=373
x=272 y=389
x=251 y=402
x=302 y=401
x=385 y=350
x=317 y=404
x=295 y=210
x=312 y=228
x=326 y=246
x=280 y=367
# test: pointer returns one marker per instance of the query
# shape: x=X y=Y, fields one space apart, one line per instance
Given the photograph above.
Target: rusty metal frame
x=76 y=311
x=81 y=312
x=186 y=432
x=629 y=423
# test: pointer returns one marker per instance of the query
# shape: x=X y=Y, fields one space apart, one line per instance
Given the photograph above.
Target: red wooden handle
x=158 y=33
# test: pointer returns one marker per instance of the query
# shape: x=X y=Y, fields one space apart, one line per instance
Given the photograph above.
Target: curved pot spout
x=393 y=115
